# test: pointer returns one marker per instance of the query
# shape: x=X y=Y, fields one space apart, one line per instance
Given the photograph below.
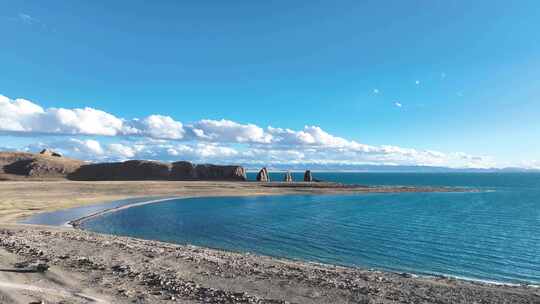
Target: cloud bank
x=96 y=135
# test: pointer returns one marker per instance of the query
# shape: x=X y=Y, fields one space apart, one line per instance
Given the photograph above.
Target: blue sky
x=452 y=77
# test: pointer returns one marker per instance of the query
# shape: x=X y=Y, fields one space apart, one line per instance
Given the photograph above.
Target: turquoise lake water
x=492 y=235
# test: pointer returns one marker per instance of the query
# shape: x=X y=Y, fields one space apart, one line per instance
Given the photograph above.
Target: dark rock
x=215 y=172
x=152 y=170
x=48 y=152
x=41 y=267
x=44 y=165
x=307 y=176
x=128 y=170
x=27 y=267
x=262 y=176
x=24 y=264
x=120 y=268
x=183 y=170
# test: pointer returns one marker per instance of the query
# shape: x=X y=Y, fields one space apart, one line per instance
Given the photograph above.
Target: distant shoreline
x=77 y=222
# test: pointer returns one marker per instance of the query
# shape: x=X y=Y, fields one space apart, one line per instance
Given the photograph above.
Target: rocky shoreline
x=128 y=270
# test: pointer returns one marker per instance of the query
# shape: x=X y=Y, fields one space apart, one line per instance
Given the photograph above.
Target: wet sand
x=93 y=268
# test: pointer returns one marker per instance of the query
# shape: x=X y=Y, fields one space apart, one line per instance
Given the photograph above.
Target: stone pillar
x=307 y=176
x=262 y=176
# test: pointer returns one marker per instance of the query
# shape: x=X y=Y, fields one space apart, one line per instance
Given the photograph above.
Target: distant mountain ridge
x=48 y=164
x=388 y=168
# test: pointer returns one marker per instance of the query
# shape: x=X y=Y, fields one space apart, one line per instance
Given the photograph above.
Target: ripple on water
x=490 y=236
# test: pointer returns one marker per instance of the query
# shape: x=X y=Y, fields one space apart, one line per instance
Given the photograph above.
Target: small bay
x=491 y=235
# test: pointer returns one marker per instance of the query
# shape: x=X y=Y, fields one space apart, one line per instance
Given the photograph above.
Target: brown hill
x=183 y=170
x=50 y=165
x=128 y=170
x=37 y=165
x=153 y=170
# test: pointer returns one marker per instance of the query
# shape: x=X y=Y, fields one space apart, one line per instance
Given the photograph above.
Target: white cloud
x=398 y=104
x=350 y=153
x=92 y=145
x=533 y=164
x=21 y=115
x=25 y=116
x=27 y=18
x=229 y=131
x=159 y=126
x=161 y=137
x=88 y=149
x=121 y=151
x=417 y=82
x=79 y=121
x=376 y=91
x=18 y=114
x=311 y=136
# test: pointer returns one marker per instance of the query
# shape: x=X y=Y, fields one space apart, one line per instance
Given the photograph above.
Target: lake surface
x=63 y=217
x=493 y=235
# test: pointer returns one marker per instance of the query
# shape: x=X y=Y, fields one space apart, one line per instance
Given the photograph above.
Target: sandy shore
x=87 y=267
x=20 y=199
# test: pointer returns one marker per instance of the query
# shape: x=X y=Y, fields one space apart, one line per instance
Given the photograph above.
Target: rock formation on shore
x=43 y=165
x=153 y=170
x=262 y=176
x=128 y=170
x=288 y=177
x=184 y=170
x=49 y=164
x=48 y=152
x=307 y=176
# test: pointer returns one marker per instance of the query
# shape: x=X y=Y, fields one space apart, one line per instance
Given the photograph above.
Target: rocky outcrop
x=215 y=172
x=37 y=165
x=7 y=158
x=184 y=170
x=288 y=177
x=48 y=152
x=262 y=176
x=153 y=170
x=128 y=170
x=49 y=164
x=307 y=176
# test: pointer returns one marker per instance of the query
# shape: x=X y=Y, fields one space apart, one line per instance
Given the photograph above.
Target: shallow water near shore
x=63 y=217
x=492 y=235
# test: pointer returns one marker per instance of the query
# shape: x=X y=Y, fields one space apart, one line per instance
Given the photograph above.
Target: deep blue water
x=491 y=235
x=475 y=180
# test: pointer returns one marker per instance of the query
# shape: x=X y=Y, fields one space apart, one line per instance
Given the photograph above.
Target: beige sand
x=21 y=199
